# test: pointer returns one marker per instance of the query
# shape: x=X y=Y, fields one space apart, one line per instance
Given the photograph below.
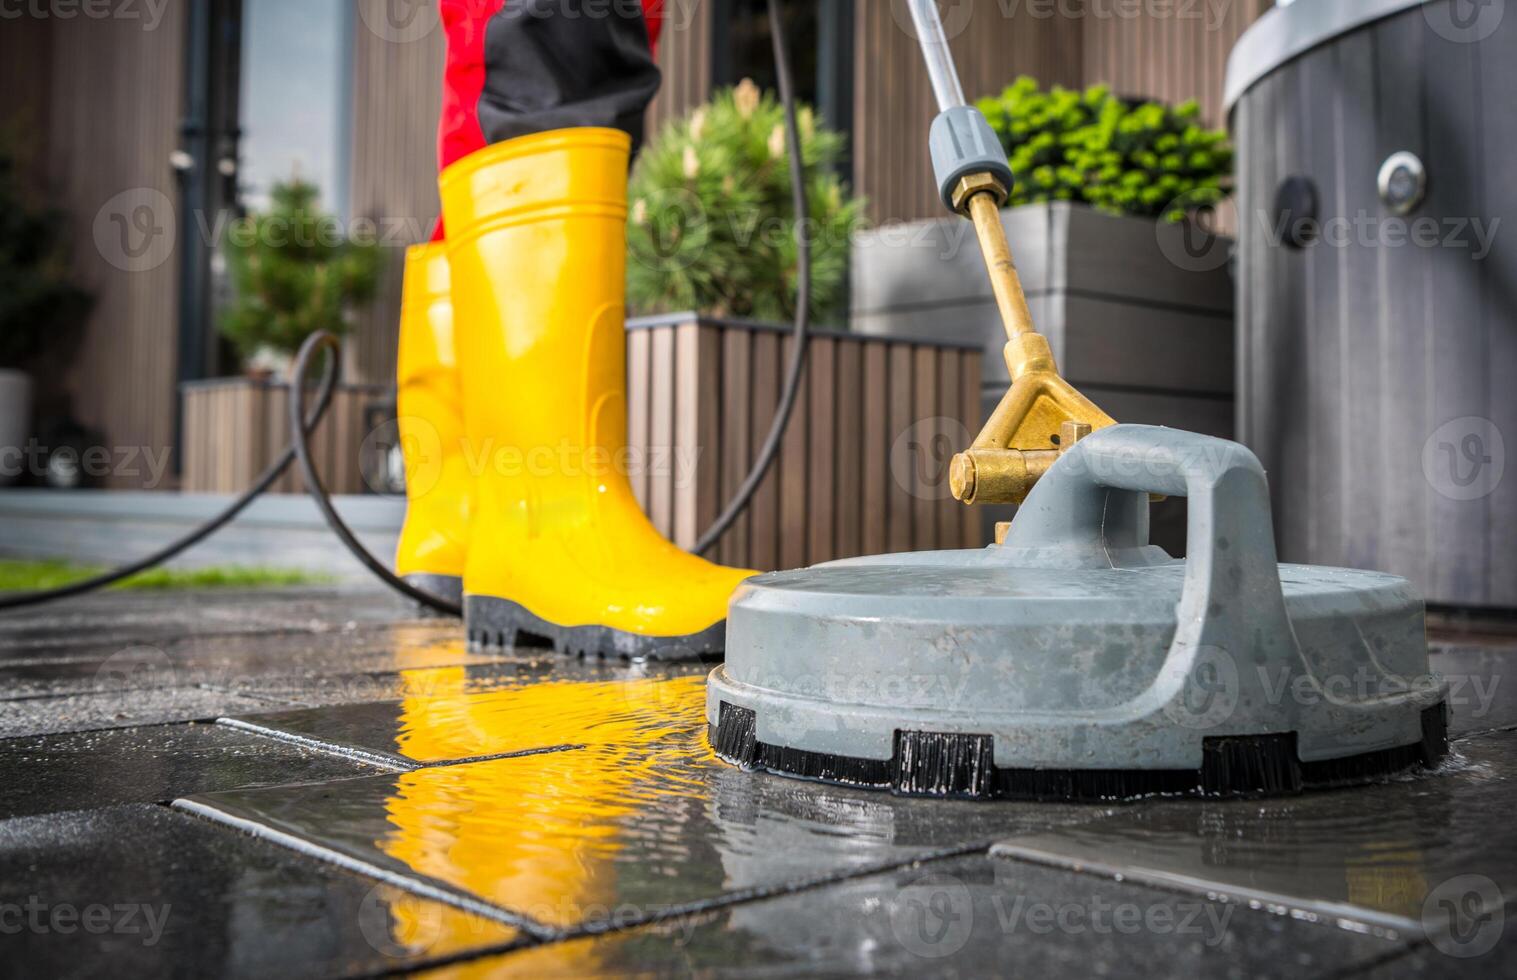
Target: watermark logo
x=1197 y=243
x=1464 y=21
x=1465 y=458
x=135 y=230
x=403 y=455
x=1464 y=916
x=921 y=455
x=1210 y=693
x=398 y=924
x=399 y=21
x=40 y=918
x=933 y=916
x=955 y=14
x=678 y=228
x=135 y=668
x=147 y=12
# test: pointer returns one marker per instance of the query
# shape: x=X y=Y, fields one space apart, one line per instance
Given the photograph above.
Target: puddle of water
x=640 y=820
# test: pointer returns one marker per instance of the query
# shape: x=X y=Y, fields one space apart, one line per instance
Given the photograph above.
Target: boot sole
x=493 y=622
x=449 y=588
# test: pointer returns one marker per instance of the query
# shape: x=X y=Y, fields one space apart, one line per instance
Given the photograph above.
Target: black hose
x=797 y=368
x=317 y=341
x=264 y=481
x=299 y=448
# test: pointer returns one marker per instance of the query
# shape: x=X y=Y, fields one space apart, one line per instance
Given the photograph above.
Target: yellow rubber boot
x=429 y=409
x=559 y=549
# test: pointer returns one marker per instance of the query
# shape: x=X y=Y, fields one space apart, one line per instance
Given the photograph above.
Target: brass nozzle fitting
x=997 y=474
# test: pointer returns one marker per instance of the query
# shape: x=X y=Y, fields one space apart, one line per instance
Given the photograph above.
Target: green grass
x=22 y=575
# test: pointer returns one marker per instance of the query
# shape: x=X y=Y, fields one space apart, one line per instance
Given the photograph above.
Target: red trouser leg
x=464 y=78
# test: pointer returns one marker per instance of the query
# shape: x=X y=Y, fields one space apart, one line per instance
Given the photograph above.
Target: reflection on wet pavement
x=451 y=713
x=965 y=916
x=642 y=820
x=1374 y=856
x=534 y=815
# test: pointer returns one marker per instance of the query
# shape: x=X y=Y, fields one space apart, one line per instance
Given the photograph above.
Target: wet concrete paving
x=313 y=783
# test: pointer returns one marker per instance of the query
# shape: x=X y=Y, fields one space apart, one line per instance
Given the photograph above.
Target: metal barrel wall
x=1377 y=306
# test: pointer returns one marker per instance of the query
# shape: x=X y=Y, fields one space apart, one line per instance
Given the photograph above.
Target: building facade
x=152 y=123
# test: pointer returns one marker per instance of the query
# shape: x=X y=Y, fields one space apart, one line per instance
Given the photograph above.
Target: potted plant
x=713 y=268
x=711 y=225
x=293 y=272
x=39 y=304
x=1113 y=224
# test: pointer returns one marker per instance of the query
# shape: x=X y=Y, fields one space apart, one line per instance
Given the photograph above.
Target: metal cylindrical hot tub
x=1377 y=285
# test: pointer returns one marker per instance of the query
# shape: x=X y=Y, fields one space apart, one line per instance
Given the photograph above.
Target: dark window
x=820 y=36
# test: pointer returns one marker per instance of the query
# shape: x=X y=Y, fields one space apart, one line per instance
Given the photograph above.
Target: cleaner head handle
x=1091 y=510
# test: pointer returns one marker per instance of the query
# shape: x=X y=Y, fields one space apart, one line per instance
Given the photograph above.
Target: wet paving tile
x=641 y=821
x=1399 y=857
x=120 y=709
x=957 y=917
x=486 y=710
x=136 y=616
x=78 y=770
x=145 y=891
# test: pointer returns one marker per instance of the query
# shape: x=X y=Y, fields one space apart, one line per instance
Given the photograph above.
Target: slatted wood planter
x=863 y=467
x=235 y=427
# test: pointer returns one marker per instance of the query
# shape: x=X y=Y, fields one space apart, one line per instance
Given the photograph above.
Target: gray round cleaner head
x=1078 y=662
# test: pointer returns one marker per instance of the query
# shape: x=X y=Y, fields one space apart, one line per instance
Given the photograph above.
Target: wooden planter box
x=1140 y=323
x=863 y=469
x=235 y=427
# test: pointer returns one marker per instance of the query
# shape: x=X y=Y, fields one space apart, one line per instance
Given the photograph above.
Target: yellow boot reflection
x=538 y=834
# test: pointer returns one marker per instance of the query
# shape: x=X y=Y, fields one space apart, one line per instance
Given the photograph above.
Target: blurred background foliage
x=1146 y=159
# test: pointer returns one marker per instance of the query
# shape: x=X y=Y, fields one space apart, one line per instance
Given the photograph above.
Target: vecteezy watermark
x=1364 y=229
x=1465 y=458
x=408 y=454
x=933 y=916
x=135 y=668
x=1464 y=21
x=97 y=919
x=1206 y=921
x=955 y=15
x=400 y=21
x=921 y=454
x=148 y=12
x=937 y=914
x=1210 y=693
x=677 y=228
x=1464 y=916
x=402 y=455
x=136 y=229
x=1197 y=243
x=147 y=464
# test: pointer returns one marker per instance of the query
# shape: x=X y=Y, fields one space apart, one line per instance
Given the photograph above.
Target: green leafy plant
x=711 y=225
x=39 y=300
x=294 y=272
x=1147 y=159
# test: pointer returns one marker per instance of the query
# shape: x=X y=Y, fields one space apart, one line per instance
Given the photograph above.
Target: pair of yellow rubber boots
x=513 y=417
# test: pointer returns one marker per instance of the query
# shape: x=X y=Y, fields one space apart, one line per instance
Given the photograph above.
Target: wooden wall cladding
x=863 y=465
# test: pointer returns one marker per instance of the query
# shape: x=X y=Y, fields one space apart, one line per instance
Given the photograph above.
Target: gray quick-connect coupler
x=962 y=143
